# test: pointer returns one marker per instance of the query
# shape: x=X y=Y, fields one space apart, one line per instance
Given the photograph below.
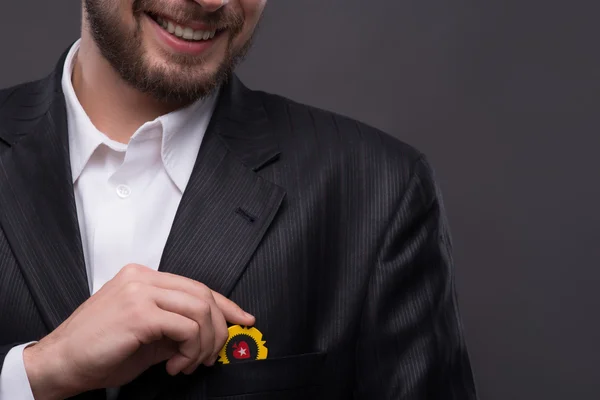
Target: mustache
x=186 y=12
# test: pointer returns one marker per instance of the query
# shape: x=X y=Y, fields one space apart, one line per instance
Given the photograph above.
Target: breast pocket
x=294 y=377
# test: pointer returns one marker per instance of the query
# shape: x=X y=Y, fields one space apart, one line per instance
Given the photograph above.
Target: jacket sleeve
x=14 y=383
x=411 y=345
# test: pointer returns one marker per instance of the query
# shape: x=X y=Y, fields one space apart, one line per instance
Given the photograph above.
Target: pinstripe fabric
x=332 y=233
x=38 y=215
x=41 y=224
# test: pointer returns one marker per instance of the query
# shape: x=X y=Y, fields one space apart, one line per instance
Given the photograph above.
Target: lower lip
x=180 y=45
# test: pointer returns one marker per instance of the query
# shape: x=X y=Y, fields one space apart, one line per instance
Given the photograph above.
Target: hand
x=138 y=319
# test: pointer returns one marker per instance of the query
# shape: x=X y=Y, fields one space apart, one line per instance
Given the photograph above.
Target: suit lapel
x=36 y=198
x=223 y=215
x=227 y=207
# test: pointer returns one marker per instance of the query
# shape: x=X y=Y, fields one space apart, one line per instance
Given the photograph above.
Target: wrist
x=47 y=377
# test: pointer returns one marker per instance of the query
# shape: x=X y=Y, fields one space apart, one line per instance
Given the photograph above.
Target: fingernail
x=248 y=315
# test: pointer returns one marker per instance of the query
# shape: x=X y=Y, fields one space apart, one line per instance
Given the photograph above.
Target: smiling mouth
x=183 y=32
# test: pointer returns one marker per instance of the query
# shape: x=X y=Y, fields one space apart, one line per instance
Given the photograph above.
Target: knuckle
x=221 y=331
x=220 y=340
x=201 y=289
x=221 y=334
x=192 y=333
x=190 y=328
x=130 y=271
x=203 y=309
x=195 y=329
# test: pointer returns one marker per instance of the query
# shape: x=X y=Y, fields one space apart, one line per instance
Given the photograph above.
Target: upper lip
x=195 y=25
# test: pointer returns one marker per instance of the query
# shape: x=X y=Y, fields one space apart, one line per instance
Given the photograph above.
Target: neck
x=114 y=107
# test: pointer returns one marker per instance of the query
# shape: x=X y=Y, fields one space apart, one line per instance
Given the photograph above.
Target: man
x=149 y=203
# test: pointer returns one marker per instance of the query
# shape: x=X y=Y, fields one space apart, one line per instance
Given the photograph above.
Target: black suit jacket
x=330 y=232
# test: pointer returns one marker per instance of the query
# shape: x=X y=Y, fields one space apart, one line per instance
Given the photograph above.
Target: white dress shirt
x=126 y=195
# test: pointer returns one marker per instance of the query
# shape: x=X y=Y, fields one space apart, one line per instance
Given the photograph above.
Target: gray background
x=503 y=97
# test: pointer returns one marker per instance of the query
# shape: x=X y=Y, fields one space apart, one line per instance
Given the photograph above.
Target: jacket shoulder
x=317 y=130
x=21 y=106
x=354 y=159
x=23 y=94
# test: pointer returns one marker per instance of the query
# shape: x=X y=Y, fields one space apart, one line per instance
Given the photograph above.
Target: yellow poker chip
x=243 y=344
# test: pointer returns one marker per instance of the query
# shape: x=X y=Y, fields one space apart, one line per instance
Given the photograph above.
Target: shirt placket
x=114 y=239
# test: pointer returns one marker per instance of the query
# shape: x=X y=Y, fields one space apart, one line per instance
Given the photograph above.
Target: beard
x=182 y=79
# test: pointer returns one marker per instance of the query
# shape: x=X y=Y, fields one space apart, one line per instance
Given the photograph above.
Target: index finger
x=165 y=280
x=231 y=311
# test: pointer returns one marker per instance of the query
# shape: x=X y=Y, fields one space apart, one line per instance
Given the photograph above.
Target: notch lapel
x=227 y=207
x=37 y=204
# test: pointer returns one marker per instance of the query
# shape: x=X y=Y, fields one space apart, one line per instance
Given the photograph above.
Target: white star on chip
x=242 y=352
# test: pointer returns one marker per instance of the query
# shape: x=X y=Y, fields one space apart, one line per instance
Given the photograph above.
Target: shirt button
x=123 y=191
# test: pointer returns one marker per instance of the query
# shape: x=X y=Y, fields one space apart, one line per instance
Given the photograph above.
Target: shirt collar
x=182 y=131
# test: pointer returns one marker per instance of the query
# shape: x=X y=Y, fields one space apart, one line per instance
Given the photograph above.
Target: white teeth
x=185 y=32
x=188 y=33
x=198 y=35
